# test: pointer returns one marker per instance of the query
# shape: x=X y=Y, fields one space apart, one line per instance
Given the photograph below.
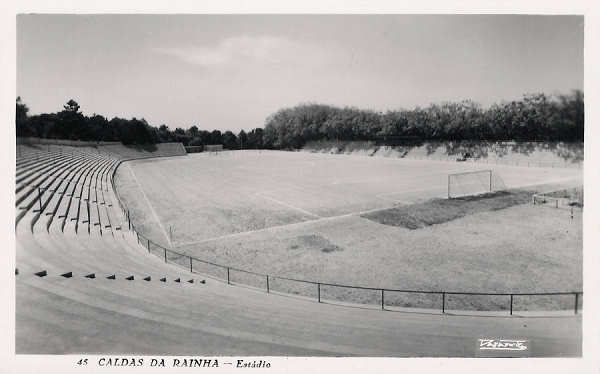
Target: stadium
x=258 y=186
x=125 y=249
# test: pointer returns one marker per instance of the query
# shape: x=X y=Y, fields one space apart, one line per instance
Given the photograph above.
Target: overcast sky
x=232 y=71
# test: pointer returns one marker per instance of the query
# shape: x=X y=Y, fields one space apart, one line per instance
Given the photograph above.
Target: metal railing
x=314 y=289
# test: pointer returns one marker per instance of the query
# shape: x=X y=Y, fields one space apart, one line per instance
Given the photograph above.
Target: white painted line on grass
x=287 y=205
x=273 y=228
x=150 y=205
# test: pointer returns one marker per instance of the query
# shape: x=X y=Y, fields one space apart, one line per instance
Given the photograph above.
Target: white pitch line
x=288 y=205
x=150 y=205
x=324 y=219
x=273 y=228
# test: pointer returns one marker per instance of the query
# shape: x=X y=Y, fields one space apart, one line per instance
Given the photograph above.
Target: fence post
x=443 y=302
x=268 y=283
x=511 y=304
x=576 y=301
x=128 y=220
x=228 y=276
x=191 y=268
x=165 y=252
x=319 y=292
x=382 y=300
x=138 y=237
x=571 y=212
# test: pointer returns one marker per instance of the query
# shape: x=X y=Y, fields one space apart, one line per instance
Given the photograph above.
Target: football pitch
x=204 y=197
x=302 y=215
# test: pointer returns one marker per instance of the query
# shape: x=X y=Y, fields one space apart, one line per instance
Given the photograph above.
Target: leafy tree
x=205 y=136
x=535 y=117
x=71 y=106
x=230 y=140
x=71 y=123
x=21 y=119
x=192 y=131
x=255 y=139
x=216 y=137
x=243 y=139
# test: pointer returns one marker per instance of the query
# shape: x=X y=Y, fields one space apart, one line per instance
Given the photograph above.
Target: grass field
x=299 y=215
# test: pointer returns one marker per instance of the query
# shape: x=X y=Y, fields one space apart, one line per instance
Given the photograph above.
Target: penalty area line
x=288 y=205
x=282 y=227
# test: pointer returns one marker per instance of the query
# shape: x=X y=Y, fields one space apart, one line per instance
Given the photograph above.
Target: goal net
x=473 y=183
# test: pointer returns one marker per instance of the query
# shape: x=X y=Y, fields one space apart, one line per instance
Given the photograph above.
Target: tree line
x=71 y=124
x=535 y=117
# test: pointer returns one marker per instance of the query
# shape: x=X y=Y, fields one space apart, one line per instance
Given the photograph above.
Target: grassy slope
x=548 y=154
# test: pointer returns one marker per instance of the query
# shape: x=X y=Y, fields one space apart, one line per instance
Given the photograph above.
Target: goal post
x=472 y=183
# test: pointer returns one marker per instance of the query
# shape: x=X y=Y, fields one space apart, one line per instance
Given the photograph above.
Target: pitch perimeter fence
x=385 y=298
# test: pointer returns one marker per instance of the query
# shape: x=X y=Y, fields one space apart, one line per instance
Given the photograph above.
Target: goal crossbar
x=472 y=172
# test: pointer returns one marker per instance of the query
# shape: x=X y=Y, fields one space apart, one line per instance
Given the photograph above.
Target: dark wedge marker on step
x=178 y=280
x=203 y=281
x=148 y=279
x=111 y=277
x=67 y=275
x=16 y=271
x=130 y=278
x=163 y=279
x=191 y=281
x=42 y=273
x=91 y=276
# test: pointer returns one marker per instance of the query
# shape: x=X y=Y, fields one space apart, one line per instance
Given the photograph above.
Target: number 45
x=82 y=361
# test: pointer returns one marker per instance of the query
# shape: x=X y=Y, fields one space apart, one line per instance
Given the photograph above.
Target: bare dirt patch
x=314 y=242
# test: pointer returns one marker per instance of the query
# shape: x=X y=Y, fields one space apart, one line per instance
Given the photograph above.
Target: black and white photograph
x=222 y=191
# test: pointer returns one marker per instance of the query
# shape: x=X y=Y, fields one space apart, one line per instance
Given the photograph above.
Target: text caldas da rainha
x=176 y=362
